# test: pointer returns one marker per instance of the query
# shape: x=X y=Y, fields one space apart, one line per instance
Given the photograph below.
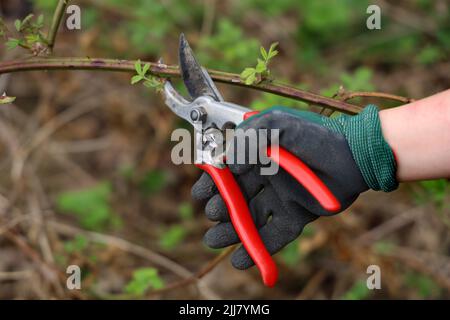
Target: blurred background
x=86 y=177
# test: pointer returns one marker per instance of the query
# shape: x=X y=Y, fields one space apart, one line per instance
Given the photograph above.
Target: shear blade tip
x=183 y=41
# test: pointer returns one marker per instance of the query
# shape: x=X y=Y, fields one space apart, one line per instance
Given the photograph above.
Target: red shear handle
x=303 y=174
x=306 y=177
x=243 y=222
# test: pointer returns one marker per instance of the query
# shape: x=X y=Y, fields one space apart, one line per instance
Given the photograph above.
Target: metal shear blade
x=196 y=78
x=206 y=98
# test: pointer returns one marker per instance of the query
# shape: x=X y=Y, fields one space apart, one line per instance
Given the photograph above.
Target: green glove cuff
x=371 y=152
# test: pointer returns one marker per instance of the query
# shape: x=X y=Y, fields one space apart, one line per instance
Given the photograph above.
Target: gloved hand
x=348 y=153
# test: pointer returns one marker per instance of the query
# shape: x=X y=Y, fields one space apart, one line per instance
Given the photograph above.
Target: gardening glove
x=348 y=153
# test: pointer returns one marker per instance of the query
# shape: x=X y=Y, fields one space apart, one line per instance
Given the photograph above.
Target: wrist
x=419 y=135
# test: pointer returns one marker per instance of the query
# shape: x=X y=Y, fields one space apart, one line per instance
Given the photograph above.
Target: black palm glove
x=326 y=151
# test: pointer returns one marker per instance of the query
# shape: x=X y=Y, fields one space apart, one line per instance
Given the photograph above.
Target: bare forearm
x=419 y=134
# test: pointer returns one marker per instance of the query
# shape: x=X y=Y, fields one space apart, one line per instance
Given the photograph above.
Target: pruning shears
x=207 y=111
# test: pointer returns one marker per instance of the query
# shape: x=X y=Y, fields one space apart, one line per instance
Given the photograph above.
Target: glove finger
x=223 y=234
x=216 y=210
x=276 y=234
x=261 y=206
x=204 y=188
x=250 y=184
x=220 y=236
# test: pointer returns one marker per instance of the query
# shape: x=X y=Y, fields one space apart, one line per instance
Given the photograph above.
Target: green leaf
x=12 y=43
x=273 y=54
x=32 y=38
x=263 y=53
x=272 y=49
x=260 y=71
x=152 y=82
x=261 y=66
x=136 y=78
x=251 y=79
x=146 y=68
x=138 y=67
x=40 y=20
x=172 y=237
x=149 y=83
x=247 y=72
x=27 y=19
x=143 y=280
x=18 y=25
x=4 y=99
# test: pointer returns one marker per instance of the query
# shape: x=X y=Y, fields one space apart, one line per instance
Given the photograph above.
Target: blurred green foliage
x=291 y=254
x=45 y=5
x=424 y=285
x=322 y=24
x=434 y=191
x=77 y=244
x=91 y=206
x=186 y=211
x=383 y=247
x=143 y=280
x=153 y=181
x=228 y=48
x=359 y=80
x=172 y=237
x=429 y=55
x=358 y=291
x=267 y=100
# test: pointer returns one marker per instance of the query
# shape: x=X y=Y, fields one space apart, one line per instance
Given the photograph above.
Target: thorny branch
x=172 y=71
x=350 y=95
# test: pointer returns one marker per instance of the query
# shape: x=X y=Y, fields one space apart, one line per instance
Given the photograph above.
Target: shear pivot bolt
x=198 y=115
